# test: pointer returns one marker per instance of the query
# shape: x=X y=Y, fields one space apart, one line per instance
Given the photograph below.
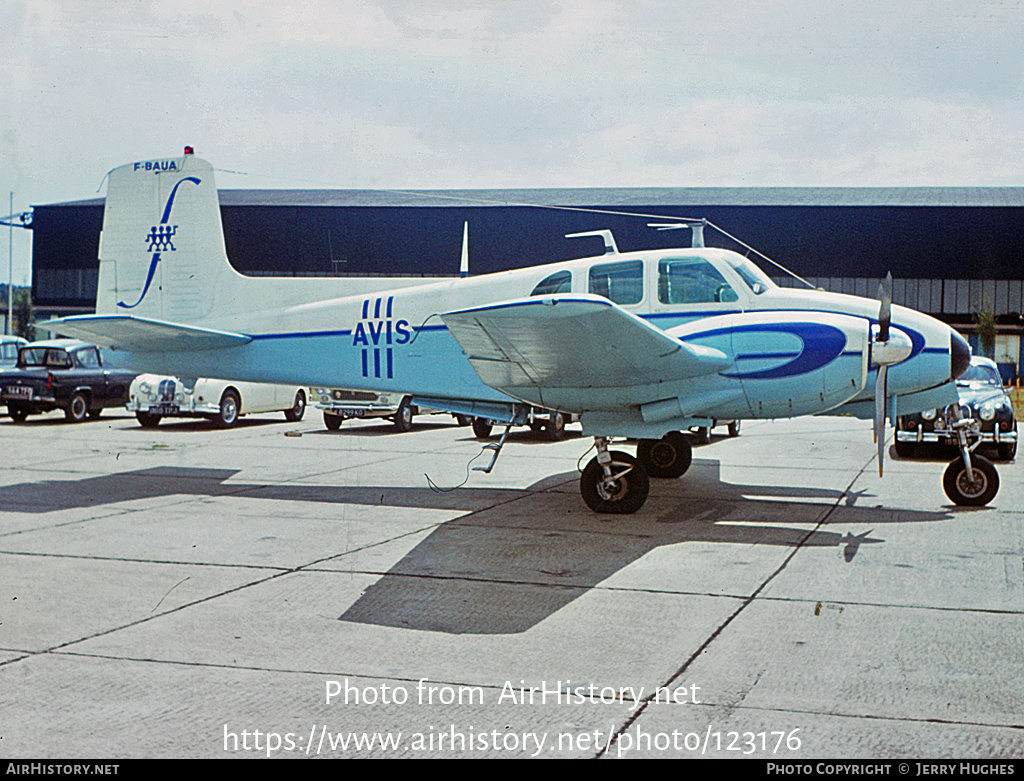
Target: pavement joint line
x=731 y=617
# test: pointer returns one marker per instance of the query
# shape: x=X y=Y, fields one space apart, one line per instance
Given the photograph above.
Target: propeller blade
x=884 y=310
x=880 y=389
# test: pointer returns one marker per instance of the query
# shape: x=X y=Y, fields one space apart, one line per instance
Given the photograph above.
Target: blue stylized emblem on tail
x=159 y=239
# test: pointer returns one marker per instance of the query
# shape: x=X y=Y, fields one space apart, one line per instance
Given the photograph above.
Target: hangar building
x=951 y=251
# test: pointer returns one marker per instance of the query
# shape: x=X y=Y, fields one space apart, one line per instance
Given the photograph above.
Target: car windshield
x=45 y=356
x=977 y=374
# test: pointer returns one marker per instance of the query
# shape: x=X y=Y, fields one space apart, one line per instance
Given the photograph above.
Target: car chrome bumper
x=948 y=437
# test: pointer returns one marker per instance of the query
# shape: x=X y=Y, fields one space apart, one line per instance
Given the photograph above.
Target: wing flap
x=573 y=342
x=143 y=335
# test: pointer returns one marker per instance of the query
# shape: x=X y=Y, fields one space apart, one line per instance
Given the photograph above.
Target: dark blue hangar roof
x=916 y=232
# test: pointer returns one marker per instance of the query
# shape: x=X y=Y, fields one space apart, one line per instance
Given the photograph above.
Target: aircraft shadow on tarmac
x=518 y=556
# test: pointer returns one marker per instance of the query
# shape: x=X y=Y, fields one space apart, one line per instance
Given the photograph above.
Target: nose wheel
x=614 y=482
x=971 y=480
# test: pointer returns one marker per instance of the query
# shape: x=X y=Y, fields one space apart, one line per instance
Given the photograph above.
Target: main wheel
x=625 y=493
x=403 y=418
x=482 y=428
x=78 y=408
x=294 y=415
x=965 y=492
x=668 y=457
x=229 y=406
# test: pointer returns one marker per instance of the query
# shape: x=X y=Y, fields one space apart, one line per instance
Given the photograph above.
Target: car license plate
x=352 y=412
x=18 y=391
x=163 y=409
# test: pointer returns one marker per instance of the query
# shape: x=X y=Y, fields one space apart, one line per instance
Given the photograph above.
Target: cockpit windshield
x=755 y=279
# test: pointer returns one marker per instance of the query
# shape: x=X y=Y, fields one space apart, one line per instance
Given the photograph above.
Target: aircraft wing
x=579 y=341
x=142 y=335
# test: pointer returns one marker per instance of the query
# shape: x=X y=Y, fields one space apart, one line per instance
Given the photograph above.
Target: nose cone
x=959 y=354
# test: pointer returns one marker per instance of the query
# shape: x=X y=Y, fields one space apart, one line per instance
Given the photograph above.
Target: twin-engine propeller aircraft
x=640 y=345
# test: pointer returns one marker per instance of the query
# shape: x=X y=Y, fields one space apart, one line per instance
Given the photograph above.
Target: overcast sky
x=510 y=93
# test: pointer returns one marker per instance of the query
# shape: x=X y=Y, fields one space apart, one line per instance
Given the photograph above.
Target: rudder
x=162 y=250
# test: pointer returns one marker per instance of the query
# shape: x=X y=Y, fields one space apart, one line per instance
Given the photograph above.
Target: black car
x=983 y=398
x=62 y=374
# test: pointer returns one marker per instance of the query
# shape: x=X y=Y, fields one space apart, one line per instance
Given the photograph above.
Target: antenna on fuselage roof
x=697 y=226
x=609 y=240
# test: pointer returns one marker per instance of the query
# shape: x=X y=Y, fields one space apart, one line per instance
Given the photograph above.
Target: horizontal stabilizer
x=142 y=335
x=573 y=341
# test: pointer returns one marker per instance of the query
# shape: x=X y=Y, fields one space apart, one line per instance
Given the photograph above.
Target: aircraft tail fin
x=162 y=253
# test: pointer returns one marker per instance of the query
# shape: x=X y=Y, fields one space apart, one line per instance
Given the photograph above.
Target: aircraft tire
x=966 y=494
x=668 y=457
x=625 y=495
x=703 y=434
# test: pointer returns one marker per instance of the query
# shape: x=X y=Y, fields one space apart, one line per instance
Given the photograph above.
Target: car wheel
x=333 y=422
x=403 y=418
x=294 y=415
x=624 y=495
x=1007 y=451
x=555 y=427
x=146 y=420
x=77 y=409
x=965 y=492
x=482 y=428
x=229 y=406
x=905 y=449
x=17 y=413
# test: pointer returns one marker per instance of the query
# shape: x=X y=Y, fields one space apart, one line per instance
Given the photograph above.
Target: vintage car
x=9 y=346
x=62 y=374
x=339 y=405
x=153 y=397
x=983 y=398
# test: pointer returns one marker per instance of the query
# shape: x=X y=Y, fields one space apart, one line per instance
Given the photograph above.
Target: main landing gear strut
x=615 y=482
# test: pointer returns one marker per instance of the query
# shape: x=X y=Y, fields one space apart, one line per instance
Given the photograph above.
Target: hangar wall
x=951 y=250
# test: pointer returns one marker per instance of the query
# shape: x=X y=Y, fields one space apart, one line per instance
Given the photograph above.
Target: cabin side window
x=692 y=281
x=621 y=283
x=559 y=282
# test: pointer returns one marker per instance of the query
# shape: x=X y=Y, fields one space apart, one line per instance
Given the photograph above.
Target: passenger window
x=559 y=282
x=622 y=283
x=692 y=281
x=89 y=359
